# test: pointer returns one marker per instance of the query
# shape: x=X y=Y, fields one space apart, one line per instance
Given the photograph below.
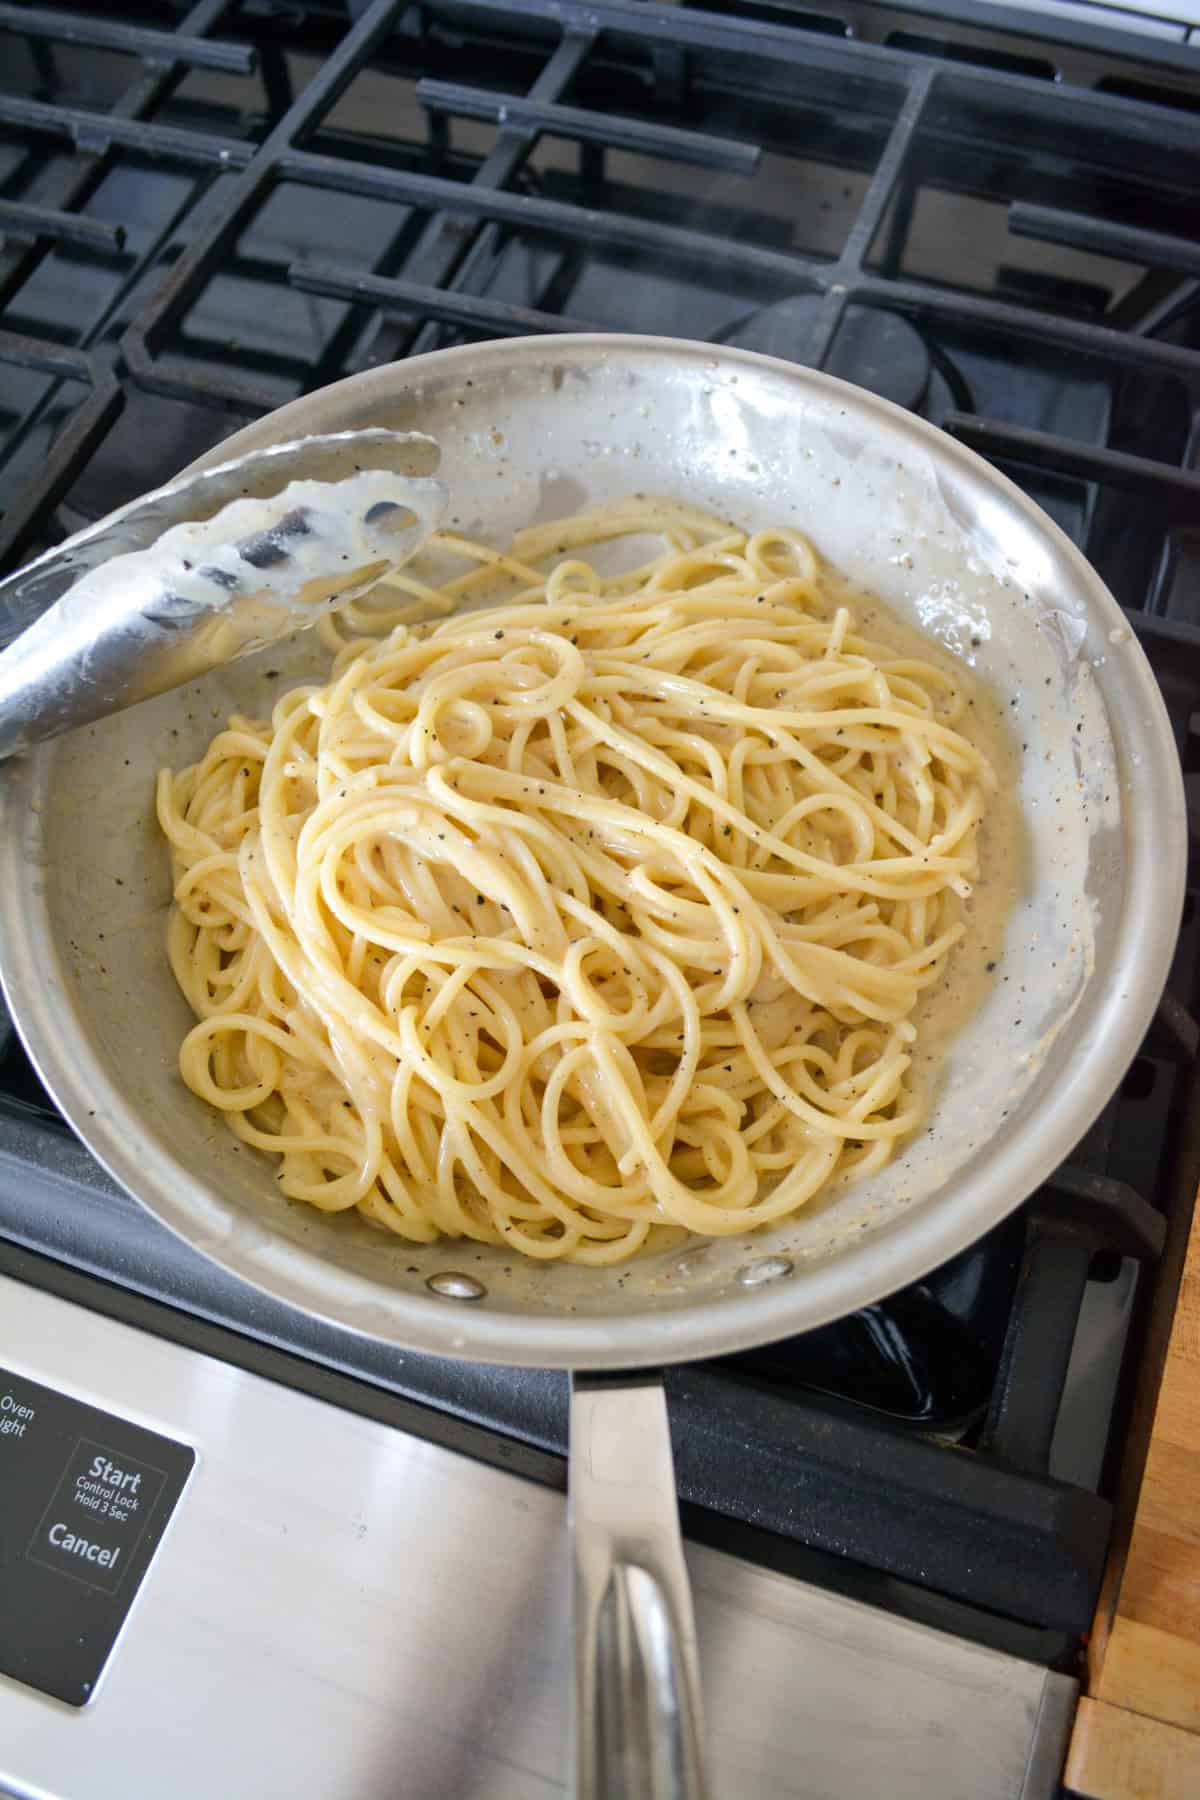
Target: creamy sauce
x=975 y=968
x=1024 y=958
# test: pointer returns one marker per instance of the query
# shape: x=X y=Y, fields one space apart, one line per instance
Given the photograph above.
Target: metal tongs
x=207 y=569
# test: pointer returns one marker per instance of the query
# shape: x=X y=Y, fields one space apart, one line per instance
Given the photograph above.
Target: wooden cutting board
x=1137 y=1732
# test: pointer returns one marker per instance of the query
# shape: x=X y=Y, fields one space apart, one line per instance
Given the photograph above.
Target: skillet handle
x=638 y=1728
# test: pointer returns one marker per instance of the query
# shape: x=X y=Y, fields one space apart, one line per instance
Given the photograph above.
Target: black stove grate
x=450 y=230
x=979 y=219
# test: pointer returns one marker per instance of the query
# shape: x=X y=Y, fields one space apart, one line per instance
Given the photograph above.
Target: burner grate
x=913 y=112
x=530 y=228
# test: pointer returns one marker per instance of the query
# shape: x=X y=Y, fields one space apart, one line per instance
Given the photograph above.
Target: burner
x=925 y=1357
x=875 y=349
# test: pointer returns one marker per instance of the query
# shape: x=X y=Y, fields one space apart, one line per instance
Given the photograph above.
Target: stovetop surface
x=990 y=222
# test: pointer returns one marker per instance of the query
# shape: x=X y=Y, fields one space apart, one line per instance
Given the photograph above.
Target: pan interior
x=531 y=431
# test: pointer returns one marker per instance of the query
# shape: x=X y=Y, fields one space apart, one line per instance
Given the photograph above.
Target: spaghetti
x=590 y=919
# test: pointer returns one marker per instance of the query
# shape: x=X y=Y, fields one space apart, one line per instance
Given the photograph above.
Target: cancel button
x=61 y=1538
x=92 y=1553
x=100 y=1507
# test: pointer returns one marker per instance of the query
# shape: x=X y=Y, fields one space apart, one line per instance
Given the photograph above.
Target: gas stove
x=208 y=211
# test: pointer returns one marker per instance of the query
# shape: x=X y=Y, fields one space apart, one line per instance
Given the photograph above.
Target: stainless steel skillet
x=534 y=428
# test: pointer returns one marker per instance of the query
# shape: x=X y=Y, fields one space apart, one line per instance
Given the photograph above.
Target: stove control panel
x=85 y=1498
